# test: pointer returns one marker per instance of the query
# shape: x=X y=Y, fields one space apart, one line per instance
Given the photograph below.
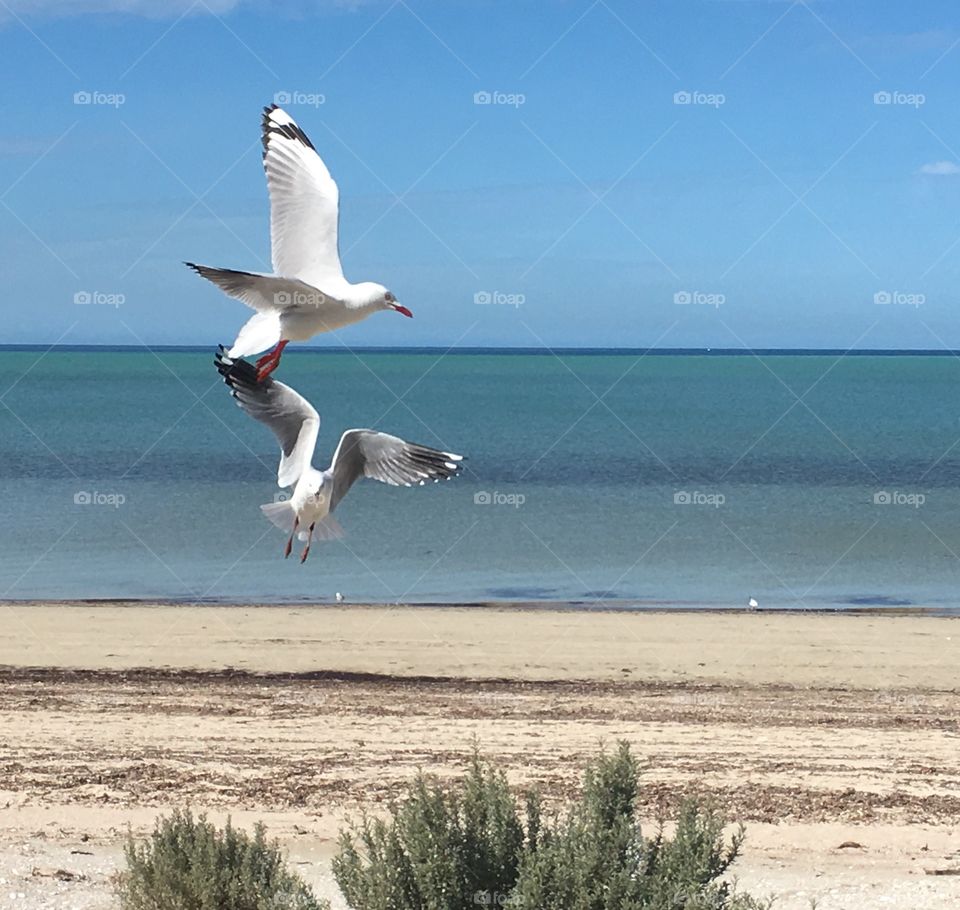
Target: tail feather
x=261 y=331
x=327 y=528
x=282 y=514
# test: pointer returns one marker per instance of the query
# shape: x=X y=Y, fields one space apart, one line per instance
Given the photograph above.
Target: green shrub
x=471 y=846
x=189 y=864
x=596 y=858
x=440 y=848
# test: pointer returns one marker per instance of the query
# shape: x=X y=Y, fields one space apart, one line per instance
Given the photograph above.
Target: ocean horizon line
x=508 y=350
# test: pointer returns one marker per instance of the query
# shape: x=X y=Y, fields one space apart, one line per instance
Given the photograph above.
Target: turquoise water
x=689 y=480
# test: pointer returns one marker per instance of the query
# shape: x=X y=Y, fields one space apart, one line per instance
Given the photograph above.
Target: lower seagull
x=307 y=514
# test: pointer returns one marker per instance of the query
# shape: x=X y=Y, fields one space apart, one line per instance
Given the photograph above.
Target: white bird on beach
x=307 y=294
x=360 y=453
x=752 y=603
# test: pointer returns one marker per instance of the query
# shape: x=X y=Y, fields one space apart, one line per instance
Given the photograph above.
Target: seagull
x=307 y=293
x=360 y=453
x=752 y=603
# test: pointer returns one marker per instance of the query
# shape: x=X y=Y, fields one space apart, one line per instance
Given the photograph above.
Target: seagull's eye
x=389 y=297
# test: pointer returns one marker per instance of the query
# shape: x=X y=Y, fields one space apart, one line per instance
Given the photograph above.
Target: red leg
x=270 y=361
x=306 y=551
x=286 y=552
x=263 y=361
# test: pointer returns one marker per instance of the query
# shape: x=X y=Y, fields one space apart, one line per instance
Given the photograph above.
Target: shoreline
x=577 y=606
x=835 y=649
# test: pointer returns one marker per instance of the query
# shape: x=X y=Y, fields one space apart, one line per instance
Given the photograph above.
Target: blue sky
x=782 y=166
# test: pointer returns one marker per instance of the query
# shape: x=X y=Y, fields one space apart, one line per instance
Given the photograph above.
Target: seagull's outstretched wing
x=304 y=204
x=389 y=459
x=291 y=418
x=263 y=293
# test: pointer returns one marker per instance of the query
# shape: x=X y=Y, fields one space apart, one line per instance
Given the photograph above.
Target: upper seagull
x=307 y=293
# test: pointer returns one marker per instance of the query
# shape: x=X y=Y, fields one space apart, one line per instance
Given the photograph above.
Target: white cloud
x=152 y=9
x=11 y=10
x=940 y=169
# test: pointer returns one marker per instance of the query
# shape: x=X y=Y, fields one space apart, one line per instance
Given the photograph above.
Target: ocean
x=599 y=479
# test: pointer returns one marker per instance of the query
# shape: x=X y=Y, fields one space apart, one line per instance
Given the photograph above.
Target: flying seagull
x=307 y=294
x=361 y=453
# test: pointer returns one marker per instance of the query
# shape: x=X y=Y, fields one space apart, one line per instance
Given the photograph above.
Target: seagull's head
x=378 y=296
x=392 y=304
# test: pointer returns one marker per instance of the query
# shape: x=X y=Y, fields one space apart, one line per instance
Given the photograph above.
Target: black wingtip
x=287 y=130
x=237 y=372
x=223 y=363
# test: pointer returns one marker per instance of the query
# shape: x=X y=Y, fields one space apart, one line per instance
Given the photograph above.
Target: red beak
x=402 y=309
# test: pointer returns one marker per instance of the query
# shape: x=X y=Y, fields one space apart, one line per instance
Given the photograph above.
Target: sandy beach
x=833 y=737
